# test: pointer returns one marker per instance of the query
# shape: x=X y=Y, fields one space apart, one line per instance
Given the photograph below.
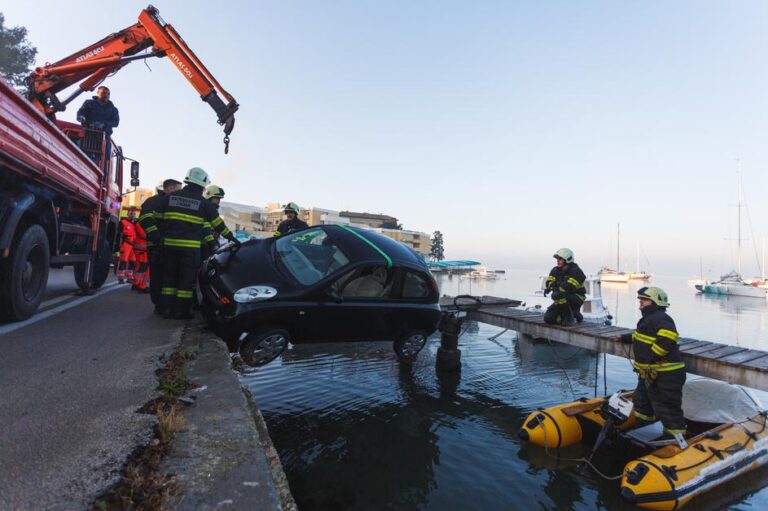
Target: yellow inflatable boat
x=732 y=442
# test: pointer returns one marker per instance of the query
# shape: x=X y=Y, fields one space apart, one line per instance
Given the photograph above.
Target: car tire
x=262 y=346
x=408 y=346
x=24 y=274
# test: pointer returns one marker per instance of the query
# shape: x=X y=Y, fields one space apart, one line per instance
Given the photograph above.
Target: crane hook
x=226 y=144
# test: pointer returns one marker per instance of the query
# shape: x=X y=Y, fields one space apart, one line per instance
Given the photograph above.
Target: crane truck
x=60 y=182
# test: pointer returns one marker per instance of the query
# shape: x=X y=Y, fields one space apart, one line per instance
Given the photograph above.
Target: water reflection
x=356 y=430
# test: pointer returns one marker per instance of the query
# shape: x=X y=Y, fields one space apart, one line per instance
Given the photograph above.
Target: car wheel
x=264 y=345
x=409 y=345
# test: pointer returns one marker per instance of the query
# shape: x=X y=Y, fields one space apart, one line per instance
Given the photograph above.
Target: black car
x=326 y=283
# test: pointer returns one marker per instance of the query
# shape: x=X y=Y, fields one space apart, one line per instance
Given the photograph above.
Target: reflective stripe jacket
x=127 y=231
x=568 y=280
x=655 y=341
x=287 y=226
x=149 y=210
x=184 y=215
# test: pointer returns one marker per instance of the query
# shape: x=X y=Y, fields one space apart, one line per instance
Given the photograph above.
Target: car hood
x=251 y=265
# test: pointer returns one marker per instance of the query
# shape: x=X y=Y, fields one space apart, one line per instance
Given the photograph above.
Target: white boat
x=698 y=282
x=593 y=310
x=732 y=284
x=481 y=273
x=639 y=274
x=609 y=275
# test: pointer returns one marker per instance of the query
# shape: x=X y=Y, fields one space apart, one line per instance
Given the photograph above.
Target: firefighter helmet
x=159 y=187
x=212 y=191
x=197 y=176
x=292 y=206
x=565 y=254
x=654 y=294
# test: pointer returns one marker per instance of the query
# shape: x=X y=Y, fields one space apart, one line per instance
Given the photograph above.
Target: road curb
x=224 y=458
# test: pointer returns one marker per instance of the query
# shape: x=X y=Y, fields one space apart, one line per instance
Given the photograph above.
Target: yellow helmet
x=212 y=191
x=654 y=294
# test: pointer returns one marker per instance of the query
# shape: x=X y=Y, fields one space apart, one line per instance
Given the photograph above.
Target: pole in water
x=449 y=354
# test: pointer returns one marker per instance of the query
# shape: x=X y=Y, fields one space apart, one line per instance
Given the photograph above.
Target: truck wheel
x=100 y=267
x=24 y=274
x=409 y=345
x=264 y=345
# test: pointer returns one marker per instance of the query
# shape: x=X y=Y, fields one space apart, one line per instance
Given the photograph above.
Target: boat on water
x=730 y=440
x=608 y=275
x=593 y=309
x=641 y=275
x=481 y=273
x=732 y=284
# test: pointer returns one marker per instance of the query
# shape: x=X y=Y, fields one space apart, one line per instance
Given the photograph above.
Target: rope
x=578 y=460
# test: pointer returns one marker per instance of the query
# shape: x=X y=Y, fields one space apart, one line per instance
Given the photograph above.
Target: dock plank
x=734 y=364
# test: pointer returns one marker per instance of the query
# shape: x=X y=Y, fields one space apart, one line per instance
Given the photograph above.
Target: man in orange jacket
x=127 y=238
x=141 y=271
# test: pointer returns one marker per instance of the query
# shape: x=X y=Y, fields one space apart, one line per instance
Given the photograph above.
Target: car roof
x=374 y=247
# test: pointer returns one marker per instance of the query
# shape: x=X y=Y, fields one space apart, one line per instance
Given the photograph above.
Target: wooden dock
x=732 y=364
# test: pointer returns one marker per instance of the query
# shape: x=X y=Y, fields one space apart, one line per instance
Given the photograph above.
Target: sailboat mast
x=738 y=209
x=618 y=247
x=637 y=258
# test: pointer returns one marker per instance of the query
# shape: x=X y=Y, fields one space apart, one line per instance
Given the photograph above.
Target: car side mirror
x=134 y=170
x=334 y=294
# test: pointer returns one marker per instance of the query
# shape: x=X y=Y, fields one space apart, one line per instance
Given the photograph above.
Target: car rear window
x=415 y=286
x=310 y=255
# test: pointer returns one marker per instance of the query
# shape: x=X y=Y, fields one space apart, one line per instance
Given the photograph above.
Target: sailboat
x=639 y=274
x=700 y=281
x=732 y=282
x=607 y=274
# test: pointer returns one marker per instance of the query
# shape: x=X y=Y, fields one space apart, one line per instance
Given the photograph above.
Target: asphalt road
x=71 y=380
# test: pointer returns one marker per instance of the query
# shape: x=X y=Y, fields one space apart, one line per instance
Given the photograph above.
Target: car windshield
x=310 y=255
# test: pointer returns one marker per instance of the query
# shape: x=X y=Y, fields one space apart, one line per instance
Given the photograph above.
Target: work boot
x=144 y=291
x=568 y=322
x=120 y=281
x=159 y=311
x=134 y=287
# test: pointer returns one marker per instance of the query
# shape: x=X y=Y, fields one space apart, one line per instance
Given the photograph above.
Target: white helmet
x=197 y=176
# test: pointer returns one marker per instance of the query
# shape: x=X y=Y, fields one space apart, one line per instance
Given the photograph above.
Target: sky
x=513 y=127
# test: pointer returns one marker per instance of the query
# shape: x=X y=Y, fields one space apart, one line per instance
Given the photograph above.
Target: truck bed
x=35 y=147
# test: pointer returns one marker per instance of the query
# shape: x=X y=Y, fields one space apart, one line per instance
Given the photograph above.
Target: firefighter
x=658 y=364
x=127 y=237
x=214 y=194
x=566 y=283
x=184 y=212
x=292 y=221
x=149 y=210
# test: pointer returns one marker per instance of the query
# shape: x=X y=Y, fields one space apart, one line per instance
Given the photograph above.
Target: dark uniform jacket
x=287 y=226
x=185 y=213
x=101 y=115
x=655 y=341
x=567 y=281
x=149 y=209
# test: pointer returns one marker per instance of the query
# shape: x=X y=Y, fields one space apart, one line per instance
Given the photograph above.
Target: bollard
x=448 y=354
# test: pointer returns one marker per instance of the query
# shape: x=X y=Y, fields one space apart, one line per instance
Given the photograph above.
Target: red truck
x=59 y=192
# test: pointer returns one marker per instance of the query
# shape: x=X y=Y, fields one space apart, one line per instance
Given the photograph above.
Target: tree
x=16 y=53
x=437 y=252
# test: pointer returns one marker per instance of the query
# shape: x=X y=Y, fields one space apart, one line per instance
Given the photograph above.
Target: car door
x=414 y=304
x=356 y=306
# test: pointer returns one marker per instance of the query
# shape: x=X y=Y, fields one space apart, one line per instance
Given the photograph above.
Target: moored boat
x=731 y=439
x=608 y=275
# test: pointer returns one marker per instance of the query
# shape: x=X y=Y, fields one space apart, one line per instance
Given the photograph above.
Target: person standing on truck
x=127 y=236
x=100 y=113
x=149 y=210
x=184 y=212
x=292 y=221
x=566 y=283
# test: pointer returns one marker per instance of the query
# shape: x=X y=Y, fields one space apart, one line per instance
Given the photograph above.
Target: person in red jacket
x=127 y=238
x=141 y=269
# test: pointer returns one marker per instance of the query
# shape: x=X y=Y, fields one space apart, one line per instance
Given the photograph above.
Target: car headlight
x=254 y=294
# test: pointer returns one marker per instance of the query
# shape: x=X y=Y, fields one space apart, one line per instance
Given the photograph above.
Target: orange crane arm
x=91 y=65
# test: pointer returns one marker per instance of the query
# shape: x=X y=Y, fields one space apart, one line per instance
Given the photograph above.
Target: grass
x=141 y=486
